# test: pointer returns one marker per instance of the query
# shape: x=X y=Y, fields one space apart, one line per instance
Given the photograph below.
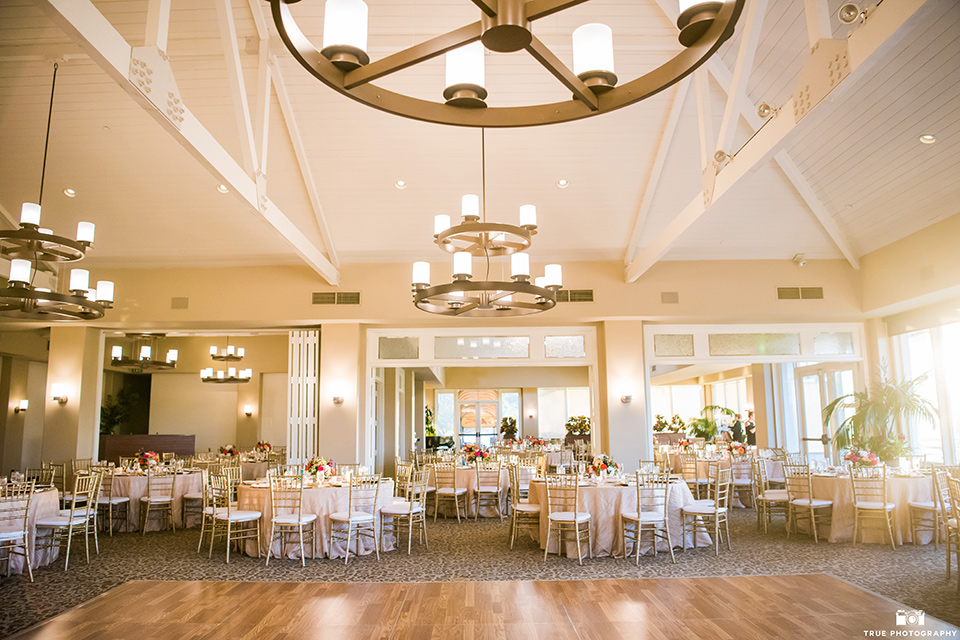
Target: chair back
x=953 y=488
x=798 y=481
x=445 y=474
x=941 y=492
x=80 y=464
x=160 y=484
x=404 y=471
x=59 y=474
x=417 y=488
x=15 y=505
x=488 y=473
x=688 y=466
x=722 y=486
x=221 y=493
x=168 y=456
x=84 y=495
x=796 y=458
x=653 y=491
x=563 y=493
x=229 y=461
x=869 y=484
x=287 y=470
x=953 y=470
x=363 y=493
x=742 y=467
x=286 y=496
x=39 y=476
x=106 y=483
x=127 y=461
x=513 y=470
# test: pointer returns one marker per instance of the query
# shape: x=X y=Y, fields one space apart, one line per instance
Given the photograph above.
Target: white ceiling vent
x=336 y=297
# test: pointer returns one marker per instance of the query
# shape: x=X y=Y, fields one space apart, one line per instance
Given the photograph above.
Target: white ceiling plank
x=650 y=188
x=85 y=25
x=228 y=34
x=286 y=109
x=158 y=24
x=757 y=9
x=818 y=20
x=259 y=19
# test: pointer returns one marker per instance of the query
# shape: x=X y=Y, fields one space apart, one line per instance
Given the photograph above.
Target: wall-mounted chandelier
x=475 y=237
x=231 y=376
x=142 y=350
x=32 y=248
x=505 y=26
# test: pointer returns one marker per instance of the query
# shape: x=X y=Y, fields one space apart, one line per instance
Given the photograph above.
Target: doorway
x=817 y=386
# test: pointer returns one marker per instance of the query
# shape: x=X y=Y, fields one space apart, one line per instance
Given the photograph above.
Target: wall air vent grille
x=788 y=293
x=669 y=297
x=336 y=297
x=325 y=297
x=575 y=295
x=811 y=293
x=799 y=293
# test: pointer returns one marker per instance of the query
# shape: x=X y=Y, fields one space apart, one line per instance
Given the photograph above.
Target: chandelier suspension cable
x=483 y=192
x=43 y=169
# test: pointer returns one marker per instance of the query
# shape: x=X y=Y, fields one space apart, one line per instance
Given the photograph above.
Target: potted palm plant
x=871 y=416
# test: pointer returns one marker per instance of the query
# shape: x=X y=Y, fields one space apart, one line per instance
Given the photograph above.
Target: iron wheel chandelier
x=505 y=26
x=475 y=237
x=228 y=354
x=32 y=247
x=144 y=345
x=231 y=376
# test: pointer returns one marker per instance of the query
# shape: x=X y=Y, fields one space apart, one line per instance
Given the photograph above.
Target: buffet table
x=319 y=500
x=604 y=503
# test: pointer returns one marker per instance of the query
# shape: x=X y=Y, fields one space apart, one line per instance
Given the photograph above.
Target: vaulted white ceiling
x=154 y=203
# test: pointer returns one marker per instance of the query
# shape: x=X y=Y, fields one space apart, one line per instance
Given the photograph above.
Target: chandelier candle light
x=144 y=345
x=474 y=236
x=32 y=248
x=227 y=354
x=504 y=26
x=231 y=376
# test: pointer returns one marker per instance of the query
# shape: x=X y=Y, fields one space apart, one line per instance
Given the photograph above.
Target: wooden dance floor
x=800 y=606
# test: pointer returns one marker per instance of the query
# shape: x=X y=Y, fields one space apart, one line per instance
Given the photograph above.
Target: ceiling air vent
x=811 y=293
x=336 y=297
x=575 y=295
x=669 y=297
x=799 y=293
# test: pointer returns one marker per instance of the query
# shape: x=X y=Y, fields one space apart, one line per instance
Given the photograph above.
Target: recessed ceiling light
x=400 y=184
x=563 y=183
x=223 y=189
x=70 y=193
x=928 y=138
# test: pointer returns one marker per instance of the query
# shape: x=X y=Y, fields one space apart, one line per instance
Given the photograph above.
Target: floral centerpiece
x=603 y=463
x=736 y=448
x=685 y=445
x=263 y=447
x=531 y=442
x=148 y=459
x=578 y=425
x=229 y=450
x=319 y=467
x=472 y=452
x=861 y=457
x=508 y=427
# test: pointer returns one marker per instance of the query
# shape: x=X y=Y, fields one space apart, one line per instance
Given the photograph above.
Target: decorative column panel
x=304 y=378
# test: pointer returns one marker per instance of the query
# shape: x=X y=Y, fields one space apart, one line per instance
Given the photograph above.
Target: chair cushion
x=929 y=506
x=526 y=507
x=488 y=489
x=775 y=495
x=742 y=482
x=157 y=499
x=704 y=502
x=403 y=509
x=289 y=519
x=952 y=522
x=703 y=510
x=450 y=491
x=113 y=500
x=238 y=516
x=193 y=496
x=60 y=521
x=352 y=516
x=875 y=505
x=643 y=516
x=8 y=533
x=209 y=510
x=816 y=502
x=568 y=516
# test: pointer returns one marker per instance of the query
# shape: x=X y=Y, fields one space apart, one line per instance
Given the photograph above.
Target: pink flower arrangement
x=604 y=463
x=530 y=441
x=685 y=445
x=737 y=448
x=229 y=450
x=474 y=452
x=264 y=447
x=319 y=467
x=148 y=458
x=861 y=457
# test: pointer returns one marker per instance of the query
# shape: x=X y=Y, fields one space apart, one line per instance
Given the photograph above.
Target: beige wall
x=341 y=374
x=180 y=403
x=72 y=430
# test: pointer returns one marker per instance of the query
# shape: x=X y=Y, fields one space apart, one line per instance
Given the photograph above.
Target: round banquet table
x=44 y=503
x=467 y=478
x=135 y=486
x=557 y=458
x=900 y=491
x=321 y=501
x=604 y=503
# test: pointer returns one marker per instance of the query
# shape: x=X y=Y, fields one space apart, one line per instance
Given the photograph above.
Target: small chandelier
x=474 y=236
x=231 y=376
x=505 y=26
x=144 y=346
x=228 y=354
x=32 y=246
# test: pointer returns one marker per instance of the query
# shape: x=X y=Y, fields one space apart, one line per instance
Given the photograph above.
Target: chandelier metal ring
x=26 y=303
x=485 y=238
x=526 y=298
x=704 y=32
x=28 y=243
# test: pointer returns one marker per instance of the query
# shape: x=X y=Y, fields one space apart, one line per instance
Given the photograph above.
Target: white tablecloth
x=467 y=478
x=604 y=503
x=135 y=486
x=900 y=491
x=253 y=470
x=557 y=458
x=321 y=501
x=43 y=504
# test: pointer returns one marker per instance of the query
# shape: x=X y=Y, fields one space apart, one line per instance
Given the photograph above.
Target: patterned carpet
x=478 y=551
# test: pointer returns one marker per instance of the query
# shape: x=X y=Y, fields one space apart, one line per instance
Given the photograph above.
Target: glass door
x=817 y=386
x=479 y=417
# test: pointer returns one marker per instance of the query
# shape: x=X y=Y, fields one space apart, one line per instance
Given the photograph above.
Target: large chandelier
x=32 y=248
x=141 y=358
x=232 y=375
x=505 y=26
x=475 y=237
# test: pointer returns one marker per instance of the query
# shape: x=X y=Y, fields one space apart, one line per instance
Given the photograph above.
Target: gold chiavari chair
x=953 y=470
x=525 y=473
x=158 y=499
x=113 y=505
x=523 y=514
x=653 y=496
x=41 y=477
x=445 y=474
x=925 y=515
x=870 y=501
x=488 y=489
x=360 y=520
x=779 y=453
x=193 y=503
x=126 y=462
x=402 y=480
x=288 y=518
x=564 y=516
x=14 y=536
x=742 y=467
x=168 y=456
x=768 y=502
x=59 y=476
x=690 y=470
x=228 y=522
x=952 y=524
x=948 y=515
x=802 y=505
x=405 y=516
x=78 y=466
x=51 y=531
x=289 y=470
x=708 y=517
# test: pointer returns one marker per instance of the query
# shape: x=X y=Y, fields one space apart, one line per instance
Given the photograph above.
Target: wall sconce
x=337 y=399
x=247 y=410
x=21 y=406
x=58 y=392
x=625 y=399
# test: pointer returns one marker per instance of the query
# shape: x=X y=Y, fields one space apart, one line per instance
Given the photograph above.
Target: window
x=443 y=417
x=731 y=394
x=684 y=400
x=557 y=405
x=917 y=349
